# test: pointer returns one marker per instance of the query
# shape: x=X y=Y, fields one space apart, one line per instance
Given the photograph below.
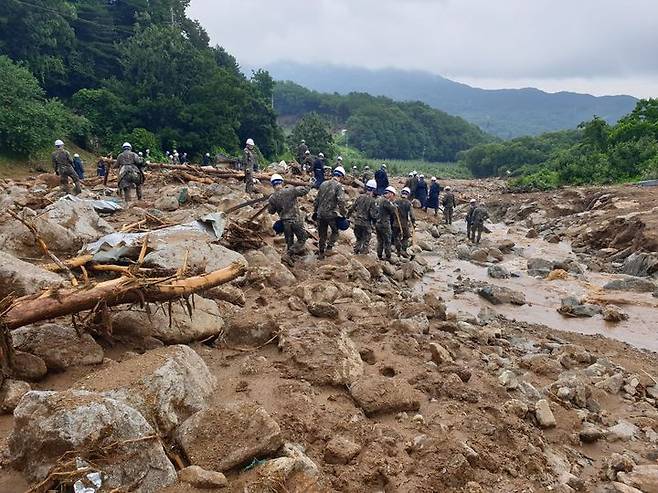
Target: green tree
x=29 y=121
x=316 y=131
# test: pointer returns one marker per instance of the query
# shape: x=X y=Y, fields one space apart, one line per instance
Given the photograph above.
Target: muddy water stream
x=543 y=296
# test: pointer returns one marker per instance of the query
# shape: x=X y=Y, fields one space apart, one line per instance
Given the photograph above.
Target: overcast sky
x=596 y=46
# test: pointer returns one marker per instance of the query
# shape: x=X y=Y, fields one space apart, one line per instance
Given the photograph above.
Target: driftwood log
x=124 y=290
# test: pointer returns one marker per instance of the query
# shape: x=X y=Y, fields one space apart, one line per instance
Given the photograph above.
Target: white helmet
x=434 y=179
x=276 y=179
x=391 y=190
x=59 y=143
x=140 y=153
x=307 y=151
x=384 y=165
x=405 y=191
x=321 y=155
x=415 y=173
x=339 y=158
x=411 y=173
x=473 y=201
x=250 y=142
x=339 y=171
x=207 y=154
x=421 y=176
x=126 y=145
x=76 y=155
x=303 y=141
x=448 y=189
x=371 y=185
x=366 y=167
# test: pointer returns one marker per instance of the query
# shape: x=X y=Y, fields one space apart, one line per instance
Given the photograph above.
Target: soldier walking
x=63 y=165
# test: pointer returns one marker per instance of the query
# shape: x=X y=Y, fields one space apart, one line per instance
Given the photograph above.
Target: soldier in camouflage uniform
x=401 y=230
x=449 y=204
x=329 y=206
x=386 y=214
x=364 y=211
x=284 y=203
x=367 y=174
x=63 y=165
x=480 y=214
x=469 y=217
x=301 y=151
x=250 y=165
x=308 y=162
x=130 y=172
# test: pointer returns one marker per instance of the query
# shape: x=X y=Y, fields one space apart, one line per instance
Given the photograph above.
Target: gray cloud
x=469 y=39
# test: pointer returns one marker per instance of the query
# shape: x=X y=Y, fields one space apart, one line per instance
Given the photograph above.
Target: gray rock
x=509 y=380
x=498 y=272
x=590 y=433
x=251 y=327
x=612 y=313
x=630 y=283
x=323 y=310
x=49 y=424
x=440 y=355
x=322 y=354
x=167 y=203
x=622 y=431
x=58 y=346
x=532 y=233
x=171 y=324
x=643 y=477
x=640 y=264
x=516 y=408
x=200 y=478
x=225 y=436
x=11 y=392
x=544 y=415
x=380 y=395
x=498 y=295
x=166 y=385
x=29 y=367
x=479 y=255
x=340 y=450
x=463 y=252
x=573 y=307
x=539 y=267
x=20 y=278
x=611 y=384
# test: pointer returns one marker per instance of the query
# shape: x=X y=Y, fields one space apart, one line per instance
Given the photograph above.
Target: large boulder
x=631 y=283
x=640 y=264
x=49 y=424
x=20 y=278
x=172 y=248
x=571 y=306
x=322 y=354
x=380 y=395
x=643 y=477
x=172 y=324
x=225 y=436
x=59 y=346
x=498 y=295
x=65 y=226
x=167 y=385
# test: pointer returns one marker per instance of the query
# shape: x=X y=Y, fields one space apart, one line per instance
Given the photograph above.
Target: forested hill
x=381 y=127
x=137 y=70
x=505 y=113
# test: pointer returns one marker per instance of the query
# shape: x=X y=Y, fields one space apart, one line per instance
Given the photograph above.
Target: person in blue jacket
x=318 y=170
x=433 y=197
x=382 y=179
x=421 y=192
x=78 y=167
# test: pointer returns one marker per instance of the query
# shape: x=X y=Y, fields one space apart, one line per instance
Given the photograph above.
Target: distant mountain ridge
x=506 y=113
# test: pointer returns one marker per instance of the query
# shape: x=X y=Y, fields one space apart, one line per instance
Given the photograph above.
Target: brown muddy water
x=543 y=296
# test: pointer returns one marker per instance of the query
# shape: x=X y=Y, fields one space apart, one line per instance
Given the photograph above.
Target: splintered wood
x=242 y=236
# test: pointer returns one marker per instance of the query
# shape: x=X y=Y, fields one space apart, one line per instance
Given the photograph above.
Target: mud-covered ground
x=428 y=375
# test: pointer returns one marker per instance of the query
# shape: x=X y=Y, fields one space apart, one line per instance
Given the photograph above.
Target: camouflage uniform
x=301 y=152
x=386 y=214
x=367 y=175
x=328 y=203
x=401 y=230
x=449 y=204
x=469 y=220
x=130 y=173
x=63 y=164
x=480 y=215
x=284 y=203
x=364 y=211
x=249 y=164
x=308 y=163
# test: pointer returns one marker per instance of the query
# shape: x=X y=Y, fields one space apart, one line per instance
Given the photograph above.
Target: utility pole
x=171 y=10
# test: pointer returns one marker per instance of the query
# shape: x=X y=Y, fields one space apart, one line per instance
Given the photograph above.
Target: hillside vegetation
x=133 y=70
x=382 y=128
x=505 y=113
x=595 y=153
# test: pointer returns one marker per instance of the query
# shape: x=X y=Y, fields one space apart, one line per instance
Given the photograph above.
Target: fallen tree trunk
x=57 y=303
x=221 y=172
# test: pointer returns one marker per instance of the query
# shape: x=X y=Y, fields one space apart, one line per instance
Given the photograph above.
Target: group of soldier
x=391 y=217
